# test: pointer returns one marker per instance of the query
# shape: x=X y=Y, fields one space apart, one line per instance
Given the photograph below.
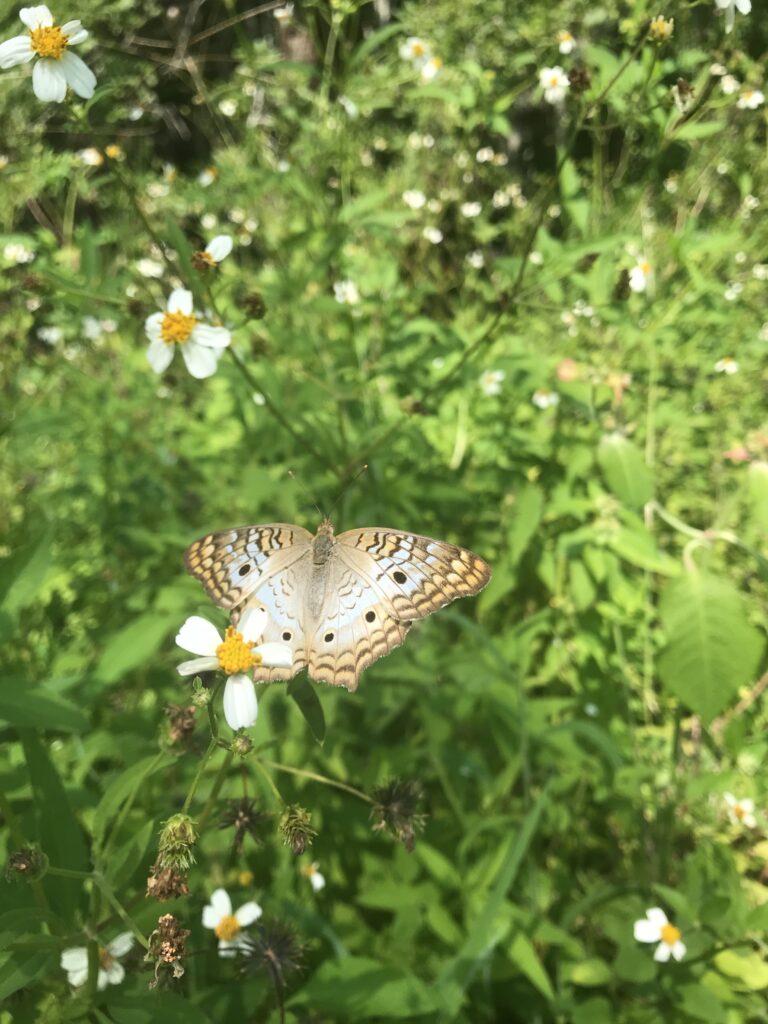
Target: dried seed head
x=166 y=883
x=296 y=829
x=181 y=723
x=167 y=948
x=27 y=864
x=244 y=817
x=395 y=809
x=273 y=946
x=255 y=306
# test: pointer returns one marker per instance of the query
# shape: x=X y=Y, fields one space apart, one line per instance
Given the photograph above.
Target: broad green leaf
x=22 y=704
x=22 y=968
x=123 y=787
x=757 y=479
x=133 y=645
x=305 y=697
x=23 y=574
x=625 y=470
x=637 y=546
x=151 y=1007
x=14 y=924
x=523 y=954
x=590 y=973
x=712 y=649
x=357 y=988
x=751 y=970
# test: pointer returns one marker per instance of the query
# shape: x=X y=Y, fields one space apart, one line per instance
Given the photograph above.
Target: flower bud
x=296 y=829
x=177 y=839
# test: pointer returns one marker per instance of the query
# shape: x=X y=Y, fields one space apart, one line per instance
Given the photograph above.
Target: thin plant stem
x=269 y=780
x=218 y=782
x=119 y=909
x=303 y=773
x=199 y=774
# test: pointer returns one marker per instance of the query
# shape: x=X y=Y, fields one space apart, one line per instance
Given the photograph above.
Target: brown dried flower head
x=396 y=809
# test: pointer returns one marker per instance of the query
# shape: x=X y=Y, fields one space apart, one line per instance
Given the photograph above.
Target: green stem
x=215 y=789
x=269 y=780
x=303 y=773
x=199 y=774
x=119 y=909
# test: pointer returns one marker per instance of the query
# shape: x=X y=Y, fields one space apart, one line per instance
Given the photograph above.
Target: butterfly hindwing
x=282 y=598
x=232 y=564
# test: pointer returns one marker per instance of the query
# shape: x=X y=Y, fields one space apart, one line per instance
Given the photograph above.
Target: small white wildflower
x=760 y=271
x=207 y=176
x=472 y=209
x=750 y=202
x=490 y=382
x=750 y=99
x=150 y=268
x=640 y=275
x=740 y=812
x=209 y=221
x=312 y=872
x=414 y=199
x=201 y=344
x=729 y=84
x=227 y=926
x=476 y=259
x=718 y=70
x=730 y=7
x=484 y=155
x=544 y=399
x=56 y=67
x=346 y=292
x=535 y=257
x=135 y=113
x=228 y=107
x=500 y=199
x=91 y=157
x=17 y=252
x=50 y=335
x=733 y=291
x=727 y=365
x=433 y=235
x=656 y=928
x=111 y=971
x=565 y=42
x=555 y=84
x=415 y=51
x=217 y=250
x=283 y=14
x=431 y=69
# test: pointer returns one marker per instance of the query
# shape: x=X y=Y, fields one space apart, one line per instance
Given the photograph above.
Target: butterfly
x=339 y=602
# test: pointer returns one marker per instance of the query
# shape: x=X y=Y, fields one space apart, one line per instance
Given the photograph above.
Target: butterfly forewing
x=232 y=564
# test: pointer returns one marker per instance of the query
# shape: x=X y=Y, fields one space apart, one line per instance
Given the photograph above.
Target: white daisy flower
x=91 y=157
x=346 y=293
x=729 y=84
x=228 y=927
x=416 y=52
x=414 y=199
x=740 y=812
x=544 y=399
x=727 y=365
x=207 y=176
x=476 y=260
x=312 y=872
x=56 y=67
x=565 y=42
x=661 y=28
x=485 y=155
x=217 y=250
x=201 y=344
x=730 y=7
x=150 y=268
x=473 y=209
x=228 y=107
x=111 y=971
x=431 y=69
x=50 y=335
x=17 y=252
x=555 y=84
x=656 y=928
x=234 y=654
x=491 y=381
x=433 y=235
x=750 y=99
x=640 y=275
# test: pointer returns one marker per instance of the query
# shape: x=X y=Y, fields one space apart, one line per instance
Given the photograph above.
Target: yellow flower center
x=205 y=257
x=565 y=37
x=645 y=267
x=418 y=50
x=48 y=42
x=235 y=654
x=177 y=327
x=227 y=928
x=738 y=810
x=106 y=960
x=670 y=935
x=245 y=878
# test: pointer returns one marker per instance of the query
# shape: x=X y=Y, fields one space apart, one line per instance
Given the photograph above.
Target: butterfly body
x=340 y=602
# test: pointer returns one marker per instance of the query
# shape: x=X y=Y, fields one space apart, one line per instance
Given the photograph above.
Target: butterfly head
x=323 y=542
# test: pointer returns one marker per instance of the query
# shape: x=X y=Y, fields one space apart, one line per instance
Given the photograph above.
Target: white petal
x=221 y=903
x=730 y=799
x=121 y=944
x=78 y=74
x=747 y=806
x=662 y=953
x=36 y=17
x=722 y=4
x=103 y=981
x=192 y=668
x=201 y=362
x=248 y=913
x=240 y=705
x=657 y=915
x=749 y=821
x=49 y=82
x=74 y=959
x=252 y=623
x=211 y=337
x=180 y=301
x=198 y=636
x=219 y=248
x=317 y=881
x=679 y=950
x=153 y=326
x=744 y=6
x=211 y=917
x=730 y=17
x=275 y=655
x=647 y=931
x=74 y=32
x=15 y=51
x=159 y=355
x=228 y=949
x=115 y=973
x=78 y=978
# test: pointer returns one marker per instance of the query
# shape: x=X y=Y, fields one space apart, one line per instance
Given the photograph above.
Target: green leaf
x=151 y=1007
x=757 y=481
x=24 y=573
x=751 y=970
x=123 y=787
x=15 y=924
x=308 y=703
x=21 y=704
x=624 y=470
x=711 y=648
x=133 y=645
x=590 y=973
x=638 y=547
x=356 y=988
x=58 y=830
x=522 y=953
x=20 y=969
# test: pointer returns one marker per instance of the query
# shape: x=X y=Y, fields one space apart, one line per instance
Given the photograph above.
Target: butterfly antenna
x=346 y=487
x=306 y=493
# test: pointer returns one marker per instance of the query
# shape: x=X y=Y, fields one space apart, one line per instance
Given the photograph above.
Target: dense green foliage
x=565 y=741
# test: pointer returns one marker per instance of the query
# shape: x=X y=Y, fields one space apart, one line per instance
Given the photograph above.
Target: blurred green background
x=541 y=327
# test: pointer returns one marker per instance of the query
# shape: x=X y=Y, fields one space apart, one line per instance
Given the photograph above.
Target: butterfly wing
x=233 y=564
x=282 y=597
x=380 y=581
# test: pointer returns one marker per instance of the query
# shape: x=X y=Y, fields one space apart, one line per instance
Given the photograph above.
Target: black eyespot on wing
x=244 y=569
x=370 y=616
x=400 y=577
x=287 y=634
x=328 y=637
